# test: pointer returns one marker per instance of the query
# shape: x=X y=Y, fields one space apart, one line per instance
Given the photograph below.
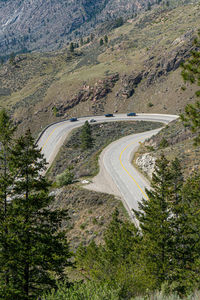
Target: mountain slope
x=45 y=25
x=138 y=70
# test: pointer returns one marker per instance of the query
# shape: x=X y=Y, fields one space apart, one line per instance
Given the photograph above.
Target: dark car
x=92 y=120
x=108 y=115
x=132 y=114
x=73 y=119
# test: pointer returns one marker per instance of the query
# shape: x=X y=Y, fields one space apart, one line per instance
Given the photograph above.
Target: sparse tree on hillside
x=71 y=47
x=106 y=39
x=149 y=6
x=119 y=22
x=92 y=36
x=86 y=136
x=101 y=42
x=12 y=59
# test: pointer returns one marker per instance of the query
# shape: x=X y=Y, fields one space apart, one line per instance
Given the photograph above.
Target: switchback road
x=117 y=175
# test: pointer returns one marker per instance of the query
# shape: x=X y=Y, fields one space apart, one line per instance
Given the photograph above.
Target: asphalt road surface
x=119 y=173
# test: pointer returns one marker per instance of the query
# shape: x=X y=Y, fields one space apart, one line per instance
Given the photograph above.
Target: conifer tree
x=86 y=136
x=191 y=73
x=71 y=47
x=106 y=39
x=6 y=176
x=153 y=216
x=101 y=42
x=190 y=278
x=40 y=249
x=81 y=41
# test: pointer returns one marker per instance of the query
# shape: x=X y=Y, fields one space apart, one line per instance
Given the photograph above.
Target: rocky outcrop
x=128 y=85
x=96 y=94
x=157 y=66
x=161 y=65
x=146 y=163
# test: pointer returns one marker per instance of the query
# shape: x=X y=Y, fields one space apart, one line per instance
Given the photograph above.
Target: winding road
x=117 y=174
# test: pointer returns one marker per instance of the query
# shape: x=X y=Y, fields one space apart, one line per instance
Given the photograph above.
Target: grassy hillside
x=136 y=71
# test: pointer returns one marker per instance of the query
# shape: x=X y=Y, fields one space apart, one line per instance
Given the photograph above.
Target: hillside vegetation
x=132 y=72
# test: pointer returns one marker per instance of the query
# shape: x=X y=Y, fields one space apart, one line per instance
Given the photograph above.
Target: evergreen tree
x=190 y=278
x=6 y=178
x=149 y=6
x=106 y=39
x=101 y=42
x=118 y=22
x=153 y=217
x=114 y=262
x=92 y=37
x=12 y=59
x=86 y=136
x=40 y=251
x=71 y=47
x=191 y=73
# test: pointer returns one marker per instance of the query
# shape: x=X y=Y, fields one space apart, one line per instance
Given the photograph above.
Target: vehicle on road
x=73 y=119
x=92 y=120
x=109 y=115
x=131 y=114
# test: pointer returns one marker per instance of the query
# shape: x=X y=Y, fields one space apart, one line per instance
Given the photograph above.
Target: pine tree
x=86 y=136
x=40 y=249
x=149 y=6
x=12 y=59
x=190 y=278
x=92 y=37
x=191 y=73
x=71 y=47
x=153 y=217
x=114 y=262
x=81 y=41
x=6 y=176
x=101 y=42
x=106 y=39
x=178 y=223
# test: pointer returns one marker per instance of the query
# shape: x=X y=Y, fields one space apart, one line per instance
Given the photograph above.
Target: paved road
x=116 y=157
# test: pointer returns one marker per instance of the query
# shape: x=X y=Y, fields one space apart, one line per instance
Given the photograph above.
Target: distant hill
x=48 y=25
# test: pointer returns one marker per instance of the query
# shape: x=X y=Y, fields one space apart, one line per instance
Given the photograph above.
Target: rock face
x=146 y=163
x=96 y=94
x=157 y=66
x=46 y=25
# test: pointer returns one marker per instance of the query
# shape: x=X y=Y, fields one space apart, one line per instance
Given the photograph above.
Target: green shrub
x=83 y=225
x=85 y=291
x=150 y=104
x=65 y=178
x=163 y=144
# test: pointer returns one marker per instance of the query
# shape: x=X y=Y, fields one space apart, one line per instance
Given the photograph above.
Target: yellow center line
x=50 y=136
x=120 y=159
